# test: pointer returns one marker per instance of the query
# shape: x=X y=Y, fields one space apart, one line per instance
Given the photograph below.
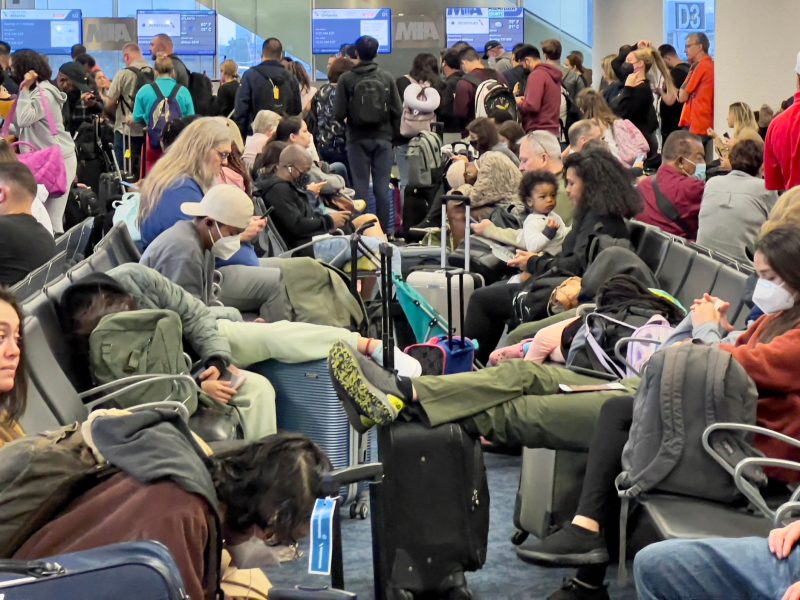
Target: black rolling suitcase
x=431 y=522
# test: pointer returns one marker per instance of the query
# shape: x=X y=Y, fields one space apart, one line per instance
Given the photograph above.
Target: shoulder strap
x=157 y=90
x=174 y=93
x=668 y=209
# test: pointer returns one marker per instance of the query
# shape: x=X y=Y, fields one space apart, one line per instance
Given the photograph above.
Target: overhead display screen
x=333 y=27
x=192 y=31
x=476 y=26
x=44 y=31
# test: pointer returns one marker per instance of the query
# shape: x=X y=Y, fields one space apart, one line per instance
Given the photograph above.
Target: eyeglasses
x=223 y=156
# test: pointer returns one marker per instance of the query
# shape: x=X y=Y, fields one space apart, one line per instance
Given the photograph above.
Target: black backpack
x=276 y=94
x=144 y=76
x=201 y=91
x=369 y=104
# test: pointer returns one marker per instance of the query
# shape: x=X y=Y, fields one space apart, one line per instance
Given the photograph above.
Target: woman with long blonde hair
x=742 y=120
x=610 y=85
x=185 y=173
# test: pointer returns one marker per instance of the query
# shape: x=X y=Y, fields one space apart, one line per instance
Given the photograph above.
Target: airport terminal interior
x=399 y=299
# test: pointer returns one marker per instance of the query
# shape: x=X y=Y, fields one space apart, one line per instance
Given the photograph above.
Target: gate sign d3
x=690 y=16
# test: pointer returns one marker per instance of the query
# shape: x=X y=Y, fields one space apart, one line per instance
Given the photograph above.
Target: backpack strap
x=159 y=93
x=174 y=93
x=667 y=208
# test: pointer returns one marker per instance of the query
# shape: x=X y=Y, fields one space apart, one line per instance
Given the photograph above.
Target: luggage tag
x=276 y=93
x=321 y=540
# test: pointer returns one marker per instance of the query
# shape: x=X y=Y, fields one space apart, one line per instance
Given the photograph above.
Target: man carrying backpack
x=540 y=107
x=368 y=102
x=464 y=106
x=157 y=104
x=119 y=102
x=161 y=45
x=268 y=86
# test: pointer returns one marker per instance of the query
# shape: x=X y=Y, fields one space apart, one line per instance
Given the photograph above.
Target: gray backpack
x=424 y=160
x=140 y=342
x=685 y=389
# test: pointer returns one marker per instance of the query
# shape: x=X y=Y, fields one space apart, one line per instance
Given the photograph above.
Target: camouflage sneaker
x=369 y=393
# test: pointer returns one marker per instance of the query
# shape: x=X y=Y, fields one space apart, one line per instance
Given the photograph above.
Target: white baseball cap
x=226 y=204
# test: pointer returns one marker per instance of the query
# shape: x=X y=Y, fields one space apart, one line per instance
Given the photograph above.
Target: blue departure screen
x=45 y=31
x=476 y=26
x=332 y=27
x=192 y=31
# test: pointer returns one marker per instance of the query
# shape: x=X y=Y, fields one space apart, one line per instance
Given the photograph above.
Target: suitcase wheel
x=518 y=537
x=359 y=509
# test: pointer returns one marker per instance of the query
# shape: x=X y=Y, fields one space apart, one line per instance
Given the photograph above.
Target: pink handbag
x=46 y=164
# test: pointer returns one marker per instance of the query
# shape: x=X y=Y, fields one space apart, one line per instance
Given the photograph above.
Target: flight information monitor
x=333 y=27
x=45 y=31
x=476 y=26
x=192 y=31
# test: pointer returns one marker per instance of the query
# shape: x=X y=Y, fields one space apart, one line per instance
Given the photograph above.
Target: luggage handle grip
x=37 y=569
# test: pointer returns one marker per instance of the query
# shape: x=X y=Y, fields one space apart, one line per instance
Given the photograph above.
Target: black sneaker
x=570 y=546
x=369 y=393
x=574 y=590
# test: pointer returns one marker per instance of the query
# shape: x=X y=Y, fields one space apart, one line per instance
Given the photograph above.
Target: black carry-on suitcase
x=431 y=522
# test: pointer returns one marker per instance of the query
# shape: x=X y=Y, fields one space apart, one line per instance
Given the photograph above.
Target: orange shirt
x=698 y=111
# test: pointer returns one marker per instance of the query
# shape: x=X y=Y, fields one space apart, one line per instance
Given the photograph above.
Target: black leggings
x=599 y=496
x=487 y=312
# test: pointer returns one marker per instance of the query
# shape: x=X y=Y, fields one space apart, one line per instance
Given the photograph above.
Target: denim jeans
x=714 y=569
x=401 y=158
x=373 y=157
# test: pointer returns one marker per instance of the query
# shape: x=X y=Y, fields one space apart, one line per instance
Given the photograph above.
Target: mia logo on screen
x=465 y=12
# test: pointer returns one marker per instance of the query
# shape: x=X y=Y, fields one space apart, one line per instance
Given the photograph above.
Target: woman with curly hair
x=602 y=192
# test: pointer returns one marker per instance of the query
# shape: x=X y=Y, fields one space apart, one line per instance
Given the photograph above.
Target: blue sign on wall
x=681 y=19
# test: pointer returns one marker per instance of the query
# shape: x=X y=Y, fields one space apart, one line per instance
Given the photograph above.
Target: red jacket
x=773 y=368
x=684 y=192
x=541 y=109
x=782 y=149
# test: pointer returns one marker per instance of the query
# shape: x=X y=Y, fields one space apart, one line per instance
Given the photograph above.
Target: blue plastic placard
x=320 y=552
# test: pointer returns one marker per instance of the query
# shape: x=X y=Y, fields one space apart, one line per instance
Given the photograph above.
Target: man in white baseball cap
x=782 y=146
x=217 y=221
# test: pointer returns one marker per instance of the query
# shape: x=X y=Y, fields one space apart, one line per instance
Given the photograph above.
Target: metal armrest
x=624 y=359
x=751 y=492
x=785 y=509
x=747 y=488
x=168 y=404
x=371 y=472
x=131 y=383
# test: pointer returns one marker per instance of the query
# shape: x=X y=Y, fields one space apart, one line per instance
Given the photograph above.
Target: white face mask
x=772 y=297
x=224 y=247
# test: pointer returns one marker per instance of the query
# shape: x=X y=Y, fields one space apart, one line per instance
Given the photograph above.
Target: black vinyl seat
x=651 y=246
x=75 y=241
x=674 y=267
x=699 y=280
x=36 y=280
x=730 y=286
x=119 y=244
x=636 y=233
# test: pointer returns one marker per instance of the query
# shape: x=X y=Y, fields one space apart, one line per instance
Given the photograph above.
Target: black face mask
x=302 y=181
x=625 y=70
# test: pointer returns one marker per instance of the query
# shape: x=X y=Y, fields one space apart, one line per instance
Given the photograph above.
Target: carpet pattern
x=503 y=577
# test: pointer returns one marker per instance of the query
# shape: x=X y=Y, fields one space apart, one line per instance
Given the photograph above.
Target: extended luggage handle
x=449 y=273
x=467 y=204
x=387 y=338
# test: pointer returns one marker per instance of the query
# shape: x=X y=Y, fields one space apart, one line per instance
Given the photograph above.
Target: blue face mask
x=699 y=170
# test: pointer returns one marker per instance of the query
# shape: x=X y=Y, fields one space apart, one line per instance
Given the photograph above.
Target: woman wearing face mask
x=767 y=351
x=635 y=101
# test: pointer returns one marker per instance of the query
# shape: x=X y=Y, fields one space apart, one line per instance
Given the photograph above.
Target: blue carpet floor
x=504 y=577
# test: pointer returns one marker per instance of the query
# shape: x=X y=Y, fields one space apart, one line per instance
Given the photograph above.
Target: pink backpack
x=46 y=164
x=630 y=141
x=420 y=102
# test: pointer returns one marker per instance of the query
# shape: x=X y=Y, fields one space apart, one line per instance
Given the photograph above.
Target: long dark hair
x=287 y=126
x=607 y=185
x=267 y=161
x=271 y=483
x=781 y=250
x=23 y=61
x=12 y=404
x=486 y=131
x=425 y=68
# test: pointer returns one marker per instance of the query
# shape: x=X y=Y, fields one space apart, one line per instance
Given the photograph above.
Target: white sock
x=406 y=365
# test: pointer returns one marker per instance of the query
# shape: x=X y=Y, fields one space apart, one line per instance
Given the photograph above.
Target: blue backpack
x=165 y=110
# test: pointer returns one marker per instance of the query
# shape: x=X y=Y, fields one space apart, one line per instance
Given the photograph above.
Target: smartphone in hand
x=236 y=381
